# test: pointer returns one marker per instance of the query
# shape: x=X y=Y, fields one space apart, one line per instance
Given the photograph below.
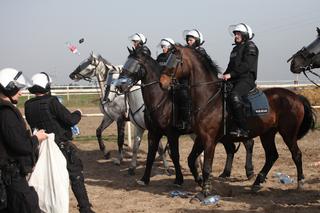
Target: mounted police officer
x=242 y=74
x=167 y=45
x=18 y=149
x=139 y=43
x=46 y=112
x=194 y=39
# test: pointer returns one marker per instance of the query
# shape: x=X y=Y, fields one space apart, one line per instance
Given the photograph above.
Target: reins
x=309 y=69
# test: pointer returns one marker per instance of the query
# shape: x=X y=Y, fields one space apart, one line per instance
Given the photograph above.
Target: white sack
x=50 y=178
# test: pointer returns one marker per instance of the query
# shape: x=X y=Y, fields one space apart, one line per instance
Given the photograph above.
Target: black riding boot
x=184 y=104
x=80 y=192
x=184 y=118
x=239 y=116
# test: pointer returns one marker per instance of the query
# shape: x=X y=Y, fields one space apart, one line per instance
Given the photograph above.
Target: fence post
x=68 y=98
x=129 y=134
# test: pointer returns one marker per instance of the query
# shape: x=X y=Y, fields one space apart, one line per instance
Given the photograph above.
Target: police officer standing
x=242 y=74
x=46 y=112
x=18 y=149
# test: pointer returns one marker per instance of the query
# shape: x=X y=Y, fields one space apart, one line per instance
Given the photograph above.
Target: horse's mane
x=213 y=67
x=105 y=61
x=154 y=63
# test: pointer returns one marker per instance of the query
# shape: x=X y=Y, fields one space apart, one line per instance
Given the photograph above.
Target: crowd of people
x=19 y=147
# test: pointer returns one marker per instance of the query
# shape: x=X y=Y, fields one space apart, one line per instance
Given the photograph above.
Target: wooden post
x=129 y=134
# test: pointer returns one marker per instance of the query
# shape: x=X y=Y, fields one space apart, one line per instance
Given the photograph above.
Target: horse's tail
x=309 y=119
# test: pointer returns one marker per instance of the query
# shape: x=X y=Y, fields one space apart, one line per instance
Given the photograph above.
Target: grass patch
x=78 y=101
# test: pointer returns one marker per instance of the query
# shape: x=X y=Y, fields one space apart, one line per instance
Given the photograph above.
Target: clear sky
x=34 y=32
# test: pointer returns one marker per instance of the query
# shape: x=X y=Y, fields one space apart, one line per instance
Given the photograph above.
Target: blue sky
x=34 y=32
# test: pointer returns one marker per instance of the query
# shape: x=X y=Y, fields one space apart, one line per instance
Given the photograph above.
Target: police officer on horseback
x=139 y=43
x=18 y=149
x=46 y=112
x=167 y=45
x=194 y=39
x=242 y=74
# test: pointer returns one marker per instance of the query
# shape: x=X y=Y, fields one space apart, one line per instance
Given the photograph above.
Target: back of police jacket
x=17 y=145
x=46 y=112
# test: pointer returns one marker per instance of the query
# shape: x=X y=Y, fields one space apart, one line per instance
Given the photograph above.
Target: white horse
x=114 y=106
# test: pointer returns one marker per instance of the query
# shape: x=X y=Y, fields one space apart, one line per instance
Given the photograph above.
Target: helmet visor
x=231 y=29
x=19 y=81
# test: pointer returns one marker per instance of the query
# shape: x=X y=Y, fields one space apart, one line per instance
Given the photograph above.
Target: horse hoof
x=169 y=172
x=131 y=171
x=300 y=185
x=117 y=162
x=107 y=155
x=178 y=183
x=250 y=176
x=141 y=183
x=199 y=180
x=224 y=175
x=255 y=188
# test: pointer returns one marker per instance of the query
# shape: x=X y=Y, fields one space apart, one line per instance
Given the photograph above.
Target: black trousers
x=75 y=169
x=241 y=88
x=21 y=198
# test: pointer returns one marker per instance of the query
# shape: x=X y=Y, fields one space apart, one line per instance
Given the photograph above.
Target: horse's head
x=136 y=68
x=306 y=58
x=91 y=67
x=177 y=66
x=186 y=62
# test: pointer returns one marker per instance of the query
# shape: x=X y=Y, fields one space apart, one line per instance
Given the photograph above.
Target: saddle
x=256 y=103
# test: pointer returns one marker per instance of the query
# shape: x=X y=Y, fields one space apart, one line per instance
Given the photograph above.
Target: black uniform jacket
x=162 y=58
x=243 y=62
x=19 y=146
x=46 y=112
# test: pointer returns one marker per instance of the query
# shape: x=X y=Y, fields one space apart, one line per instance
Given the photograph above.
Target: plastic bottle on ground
x=211 y=200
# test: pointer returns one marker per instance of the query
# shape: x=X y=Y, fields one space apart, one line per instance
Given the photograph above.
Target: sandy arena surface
x=111 y=189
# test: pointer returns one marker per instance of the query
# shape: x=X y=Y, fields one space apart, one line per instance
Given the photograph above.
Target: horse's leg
x=291 y=142
x=197 y=149
x=163 y=156
x=271 y=155
x=138 y=132
x=199 y=160
x=249 y=166
x=230 y=148
x=175 y=156
x=121 y=122
x=153 y=144
x=106 y=121
x=209 y=149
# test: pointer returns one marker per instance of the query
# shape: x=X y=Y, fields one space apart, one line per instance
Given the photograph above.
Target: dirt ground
x=111 y=189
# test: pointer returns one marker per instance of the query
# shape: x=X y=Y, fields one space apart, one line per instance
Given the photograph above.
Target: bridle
x=307 y=53
x=174 y=62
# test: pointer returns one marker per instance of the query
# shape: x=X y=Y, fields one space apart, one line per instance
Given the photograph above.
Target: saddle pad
x=257 y=103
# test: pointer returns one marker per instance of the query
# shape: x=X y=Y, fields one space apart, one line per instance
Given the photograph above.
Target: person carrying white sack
x=46 y=112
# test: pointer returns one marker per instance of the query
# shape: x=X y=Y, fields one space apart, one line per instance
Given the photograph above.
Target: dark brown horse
x=159 y=117
x=290 y=115
x=307 y=58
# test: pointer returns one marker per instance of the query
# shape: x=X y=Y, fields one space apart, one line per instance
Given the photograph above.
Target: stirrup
x=239 y=133
x=182 y=125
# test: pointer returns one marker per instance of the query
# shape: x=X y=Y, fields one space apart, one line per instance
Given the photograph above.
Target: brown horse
x=290 y=115
x=159 y=119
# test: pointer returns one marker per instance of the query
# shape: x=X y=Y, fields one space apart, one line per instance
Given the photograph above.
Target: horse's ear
x=129 y=50
x=318 y=30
